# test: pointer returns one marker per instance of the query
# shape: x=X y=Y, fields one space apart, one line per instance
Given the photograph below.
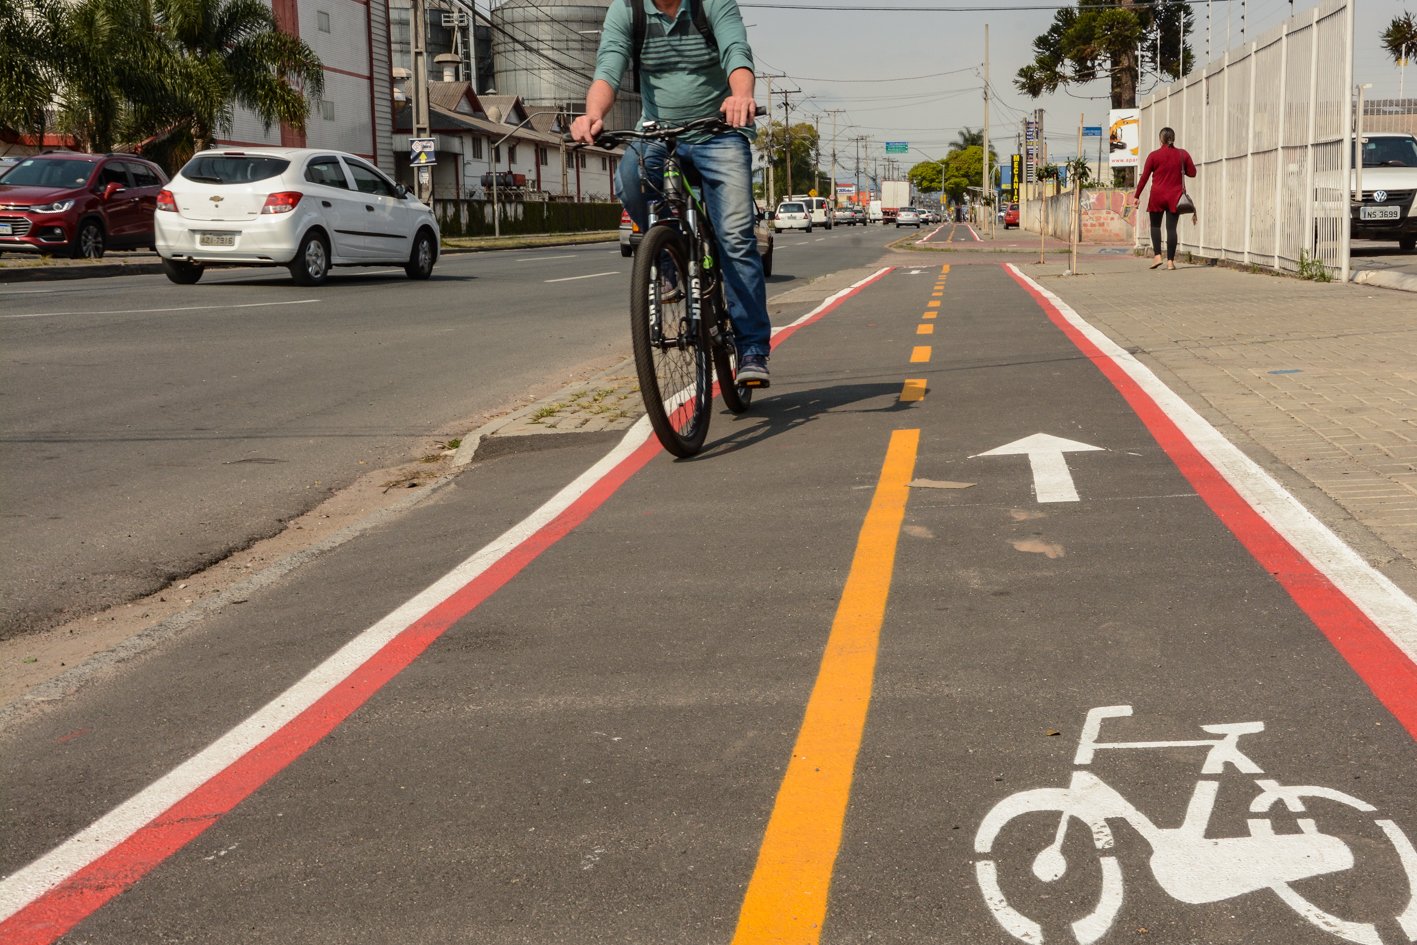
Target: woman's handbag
x=1185 y=205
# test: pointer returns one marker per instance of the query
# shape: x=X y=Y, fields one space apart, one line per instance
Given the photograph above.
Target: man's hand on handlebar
x=585 y=128
x=739 y=110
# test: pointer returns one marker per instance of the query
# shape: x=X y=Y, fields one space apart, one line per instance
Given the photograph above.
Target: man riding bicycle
x=691 y=60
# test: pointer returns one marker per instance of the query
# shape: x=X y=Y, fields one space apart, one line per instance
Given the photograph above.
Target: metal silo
x=544 y=51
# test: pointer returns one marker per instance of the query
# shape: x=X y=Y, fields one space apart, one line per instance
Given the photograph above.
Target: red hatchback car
x=79 y=204
x=1011 y=216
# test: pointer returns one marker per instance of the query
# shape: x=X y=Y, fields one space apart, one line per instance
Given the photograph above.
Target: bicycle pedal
x=756 y=384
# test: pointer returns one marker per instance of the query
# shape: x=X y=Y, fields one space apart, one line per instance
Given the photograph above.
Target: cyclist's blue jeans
x=724 y=165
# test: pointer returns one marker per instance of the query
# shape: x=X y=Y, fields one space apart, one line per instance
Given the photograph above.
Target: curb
x=47 y=273
x=484 y=443
x=1403 y=281
x=58 y=273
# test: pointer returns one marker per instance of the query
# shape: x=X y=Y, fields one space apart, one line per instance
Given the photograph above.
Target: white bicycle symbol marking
x=1188 y=865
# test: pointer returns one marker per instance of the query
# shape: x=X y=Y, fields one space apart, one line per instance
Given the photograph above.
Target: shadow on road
x=775 y=414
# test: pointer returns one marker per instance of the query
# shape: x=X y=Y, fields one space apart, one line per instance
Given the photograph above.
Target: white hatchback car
x=792 y=215
x=303 y=208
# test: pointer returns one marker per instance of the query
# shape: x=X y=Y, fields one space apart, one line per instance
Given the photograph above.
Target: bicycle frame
x=679 y=205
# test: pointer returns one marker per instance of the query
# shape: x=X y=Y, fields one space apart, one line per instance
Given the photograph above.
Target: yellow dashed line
x=786 y=900
x=920 y=354
x=932 y=304
x=924 y=329
x=913 y=390
x=945 y=268
x=928 y=314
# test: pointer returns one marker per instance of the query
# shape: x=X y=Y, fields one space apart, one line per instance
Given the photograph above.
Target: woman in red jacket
x=1165 y=168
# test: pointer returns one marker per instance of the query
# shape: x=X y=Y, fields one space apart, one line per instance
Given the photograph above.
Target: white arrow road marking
x=1052 y=480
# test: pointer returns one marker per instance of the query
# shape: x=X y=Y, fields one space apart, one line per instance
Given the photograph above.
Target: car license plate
x=1380 y=213
x=5 y=229
x=217 y=239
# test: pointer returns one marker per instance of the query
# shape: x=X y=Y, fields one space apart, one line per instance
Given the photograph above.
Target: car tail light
x=282 y=202
x=165 y=201
x=624 y=217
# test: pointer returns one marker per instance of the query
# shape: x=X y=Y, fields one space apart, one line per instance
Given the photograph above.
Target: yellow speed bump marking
x=786 y=900
x=920 y=354
x=913 y=390
x=924 y=329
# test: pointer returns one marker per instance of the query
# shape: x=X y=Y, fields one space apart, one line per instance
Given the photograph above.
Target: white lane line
x=164 y=311
x=819 y=239
x=972 y=233
x=539 y=258
x=593 y=275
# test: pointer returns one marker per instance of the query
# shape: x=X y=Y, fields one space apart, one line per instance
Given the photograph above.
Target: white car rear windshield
x=791 y=208
x=233 y=168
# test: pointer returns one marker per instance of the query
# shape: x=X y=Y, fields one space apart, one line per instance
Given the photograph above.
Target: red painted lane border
x=1378 y=661
x=83 y=892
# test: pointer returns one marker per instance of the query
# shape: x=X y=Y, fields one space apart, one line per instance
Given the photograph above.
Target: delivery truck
x=894 y=195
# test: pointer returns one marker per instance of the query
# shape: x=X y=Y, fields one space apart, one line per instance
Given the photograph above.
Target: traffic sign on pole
x=897 y=147
x=422 y=151
x=1092 y=131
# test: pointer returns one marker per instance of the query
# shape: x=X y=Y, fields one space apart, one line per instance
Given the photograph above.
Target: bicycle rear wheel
x=672 y=358
x=736 y=397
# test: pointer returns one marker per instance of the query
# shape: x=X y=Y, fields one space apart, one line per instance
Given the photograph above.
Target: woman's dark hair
x=1168 y=136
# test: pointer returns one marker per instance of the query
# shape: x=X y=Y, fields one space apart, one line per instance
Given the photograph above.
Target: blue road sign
x=1092 y=131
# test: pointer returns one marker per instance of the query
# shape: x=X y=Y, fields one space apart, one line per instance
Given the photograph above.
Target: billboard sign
x=1124 y=137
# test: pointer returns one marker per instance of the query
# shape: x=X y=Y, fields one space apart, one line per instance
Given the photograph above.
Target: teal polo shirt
x=680 y=76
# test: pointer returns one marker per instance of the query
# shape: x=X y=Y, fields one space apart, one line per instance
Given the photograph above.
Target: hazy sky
x=917 y=76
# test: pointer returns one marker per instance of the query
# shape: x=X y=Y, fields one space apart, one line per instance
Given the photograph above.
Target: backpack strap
x=640 y=24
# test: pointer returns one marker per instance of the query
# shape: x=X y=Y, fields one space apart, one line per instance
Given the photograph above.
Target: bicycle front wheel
x=672 y=356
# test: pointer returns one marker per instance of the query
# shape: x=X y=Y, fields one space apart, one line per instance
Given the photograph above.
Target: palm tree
x=29 y=32
x=231 y=52
x=968 y=137
x=1400 y=40
x=110 y=65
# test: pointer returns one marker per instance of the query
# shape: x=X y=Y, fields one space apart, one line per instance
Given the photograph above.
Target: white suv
x=1388 y=210
x=303 y=208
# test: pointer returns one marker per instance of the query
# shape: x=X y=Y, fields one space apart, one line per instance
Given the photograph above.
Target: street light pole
x=496 y=211
x=420 y=94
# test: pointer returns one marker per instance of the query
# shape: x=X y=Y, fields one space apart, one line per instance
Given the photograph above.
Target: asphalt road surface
x=150 y=429
x=967 y=633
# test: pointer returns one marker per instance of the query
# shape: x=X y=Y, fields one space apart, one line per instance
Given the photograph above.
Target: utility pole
x=832 y=169
x=787 y=130
x=424 y=180
x=770 y=198
x=985 y=191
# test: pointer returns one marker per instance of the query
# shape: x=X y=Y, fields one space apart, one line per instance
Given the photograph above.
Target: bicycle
x=681 y=337
x=1187 y=862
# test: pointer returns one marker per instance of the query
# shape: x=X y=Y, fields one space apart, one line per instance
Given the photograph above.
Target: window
x=327 y=109
x=541 y=157
x=580 y=160
x=326 y=171
x=511 y=154
x=143 y=176
x=369 y=181
x=112 y=173
x=497 y=155
x=476 y=148
x=322 y=21
x=602 y=162
x=225 y=169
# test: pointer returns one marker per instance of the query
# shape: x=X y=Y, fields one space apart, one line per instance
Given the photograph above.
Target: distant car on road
x=630 y=234
x=307 y=209
x=78 y=204
x=907 y=216
x=792 y=215
x=1011 y=216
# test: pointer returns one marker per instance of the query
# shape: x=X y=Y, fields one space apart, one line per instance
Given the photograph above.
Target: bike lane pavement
x=597 y=752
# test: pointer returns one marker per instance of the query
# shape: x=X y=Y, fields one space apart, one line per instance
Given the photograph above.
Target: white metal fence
x=1270 y=127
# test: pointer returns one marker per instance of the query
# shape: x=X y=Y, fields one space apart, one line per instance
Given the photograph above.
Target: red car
x=79 y=204
x=1011 y=216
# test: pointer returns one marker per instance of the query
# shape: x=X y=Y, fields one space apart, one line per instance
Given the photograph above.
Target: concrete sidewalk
x=1318 y=382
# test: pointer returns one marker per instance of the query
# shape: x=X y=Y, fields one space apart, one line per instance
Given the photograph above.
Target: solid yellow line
x=913 y=390
x=786 y=900
x=924 y=329
x=920 y=354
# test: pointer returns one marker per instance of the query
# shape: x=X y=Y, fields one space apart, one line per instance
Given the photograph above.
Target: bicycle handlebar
x=652 y=131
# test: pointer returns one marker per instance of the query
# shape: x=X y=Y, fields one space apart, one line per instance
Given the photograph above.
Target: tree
x=774 y=142
x=1400 y=39
x=966 y=137
x=927 y=177
x=1100 y=40
x=29 y=40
